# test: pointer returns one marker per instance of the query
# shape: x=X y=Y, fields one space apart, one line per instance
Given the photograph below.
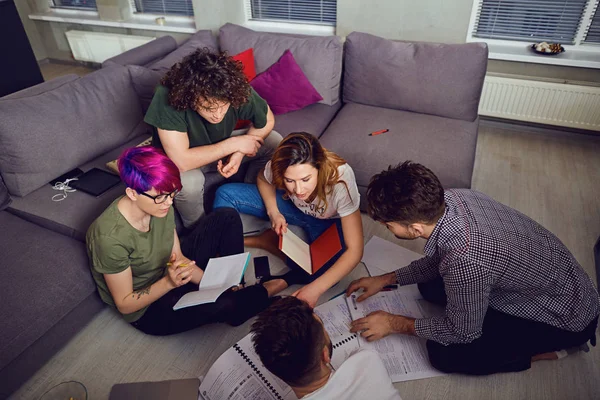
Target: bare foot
x=275 y=286
x=545 y=356
x=268 y=240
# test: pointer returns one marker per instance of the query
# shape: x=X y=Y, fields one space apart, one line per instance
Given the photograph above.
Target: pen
x=390 y=287
x=378 y=132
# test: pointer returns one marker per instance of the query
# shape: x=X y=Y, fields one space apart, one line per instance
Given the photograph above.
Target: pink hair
x=146 y=167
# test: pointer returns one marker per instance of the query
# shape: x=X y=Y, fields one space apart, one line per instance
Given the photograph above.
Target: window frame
x=579 y=54
x=52 y=5
x=282 y=26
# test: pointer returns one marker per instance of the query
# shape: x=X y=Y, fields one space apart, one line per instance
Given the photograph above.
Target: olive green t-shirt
x=161 y=115
x=113 y=245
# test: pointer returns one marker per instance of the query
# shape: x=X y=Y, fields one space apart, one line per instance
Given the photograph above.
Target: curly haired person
x=194 y=112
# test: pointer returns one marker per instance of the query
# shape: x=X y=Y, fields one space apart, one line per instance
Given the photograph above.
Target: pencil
x=179 y=266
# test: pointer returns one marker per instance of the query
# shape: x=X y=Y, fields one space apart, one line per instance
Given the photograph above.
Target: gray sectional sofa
x=425 y=94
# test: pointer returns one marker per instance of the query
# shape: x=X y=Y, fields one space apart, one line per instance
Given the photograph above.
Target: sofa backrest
x=200 y=39
x=49 y=134
x=319 y=57
x=429 y=78
x=42 y=87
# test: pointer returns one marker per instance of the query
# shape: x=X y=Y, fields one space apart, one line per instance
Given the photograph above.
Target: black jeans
x=218 y=234
x=506 y=345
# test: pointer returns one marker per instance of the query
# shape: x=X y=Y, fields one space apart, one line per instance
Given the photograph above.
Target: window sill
x=290 y=28
x=574 y=56
x=137 y=21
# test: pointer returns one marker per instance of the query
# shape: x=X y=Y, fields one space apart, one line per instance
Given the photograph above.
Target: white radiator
x=99 y=46
x=560 y=104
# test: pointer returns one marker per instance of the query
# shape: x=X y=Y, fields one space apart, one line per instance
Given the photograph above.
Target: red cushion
x=246 y=57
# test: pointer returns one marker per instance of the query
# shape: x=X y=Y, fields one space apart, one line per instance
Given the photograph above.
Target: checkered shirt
x=491 y=255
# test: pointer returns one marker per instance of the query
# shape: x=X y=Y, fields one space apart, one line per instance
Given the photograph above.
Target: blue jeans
x=246 y=199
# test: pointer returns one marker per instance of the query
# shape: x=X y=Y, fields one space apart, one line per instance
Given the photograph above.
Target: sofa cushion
x=199 y=40
x=42 y=87
x=320 y=57
x=44 y=136
x=246 y=57
x=312 y=119
x=44 y=277
x=431 y=78
x=444 y=145
x=73 y=215
x=144 y=82
x=284 y=86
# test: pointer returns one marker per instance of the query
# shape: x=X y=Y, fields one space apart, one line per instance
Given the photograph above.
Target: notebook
x=311 y=257
x=220 y=274
x=95 y=182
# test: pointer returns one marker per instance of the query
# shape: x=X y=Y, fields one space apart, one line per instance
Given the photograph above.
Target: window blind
x=87 y=4
x=529 y=20
x=593 y=32
x=312 y=11
x=164 y=7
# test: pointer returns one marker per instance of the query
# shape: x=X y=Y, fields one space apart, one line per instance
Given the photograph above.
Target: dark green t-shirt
x=113 y=245
x=201 y=132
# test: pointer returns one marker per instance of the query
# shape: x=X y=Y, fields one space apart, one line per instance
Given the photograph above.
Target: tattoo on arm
x=141 y=292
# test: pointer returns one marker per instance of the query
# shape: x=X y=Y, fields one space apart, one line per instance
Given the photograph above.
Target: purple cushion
x=144 y=82
x=429 y=78
x=320 y=57
x=285 y=87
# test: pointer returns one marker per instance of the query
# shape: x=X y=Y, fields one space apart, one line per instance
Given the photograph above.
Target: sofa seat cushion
x=44 y=276
x=431 y=78
x=444 y=145
x=45 y=136
x=312 y=119
x=319 y=57
x=73 y=215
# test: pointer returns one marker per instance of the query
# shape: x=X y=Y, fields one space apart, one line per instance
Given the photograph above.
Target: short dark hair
x=208 y=75
x=407 y=193
x=289 y=341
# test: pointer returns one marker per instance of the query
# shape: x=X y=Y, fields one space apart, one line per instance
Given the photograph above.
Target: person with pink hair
x=142 y=269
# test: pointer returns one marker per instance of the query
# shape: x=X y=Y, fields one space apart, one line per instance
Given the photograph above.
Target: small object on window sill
x=547 y=49
x=160 y=21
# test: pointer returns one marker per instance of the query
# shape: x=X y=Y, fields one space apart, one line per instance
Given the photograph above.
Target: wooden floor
x=551 y=176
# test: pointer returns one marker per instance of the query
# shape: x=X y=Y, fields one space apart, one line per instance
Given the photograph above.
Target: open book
x=239 y=374
x=219 y=275
x=311 y=257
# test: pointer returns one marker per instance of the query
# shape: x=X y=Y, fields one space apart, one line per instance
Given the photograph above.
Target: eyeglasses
x=161 y=198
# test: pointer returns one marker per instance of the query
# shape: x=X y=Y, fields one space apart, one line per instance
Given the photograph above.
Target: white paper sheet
x=237 y=376
x=219 y=275
x=336 y=319
x=381 y=256
x=405 y=357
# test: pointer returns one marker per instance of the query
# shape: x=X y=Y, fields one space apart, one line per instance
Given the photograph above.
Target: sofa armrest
x=145 y=53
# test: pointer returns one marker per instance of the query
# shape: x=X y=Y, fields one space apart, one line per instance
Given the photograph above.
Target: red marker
x=378 y=132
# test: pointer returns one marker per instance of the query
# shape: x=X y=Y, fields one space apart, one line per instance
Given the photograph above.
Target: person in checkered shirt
x=512 y=291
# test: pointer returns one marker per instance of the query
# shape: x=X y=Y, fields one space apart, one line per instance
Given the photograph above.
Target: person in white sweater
x=292 y=343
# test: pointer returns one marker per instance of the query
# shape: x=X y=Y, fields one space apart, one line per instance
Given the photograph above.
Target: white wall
x=419 y=20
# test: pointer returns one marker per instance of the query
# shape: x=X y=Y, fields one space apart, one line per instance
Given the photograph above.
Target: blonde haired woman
x=306 y=185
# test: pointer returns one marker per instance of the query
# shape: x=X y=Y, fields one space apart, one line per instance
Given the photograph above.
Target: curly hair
x=206 y=75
